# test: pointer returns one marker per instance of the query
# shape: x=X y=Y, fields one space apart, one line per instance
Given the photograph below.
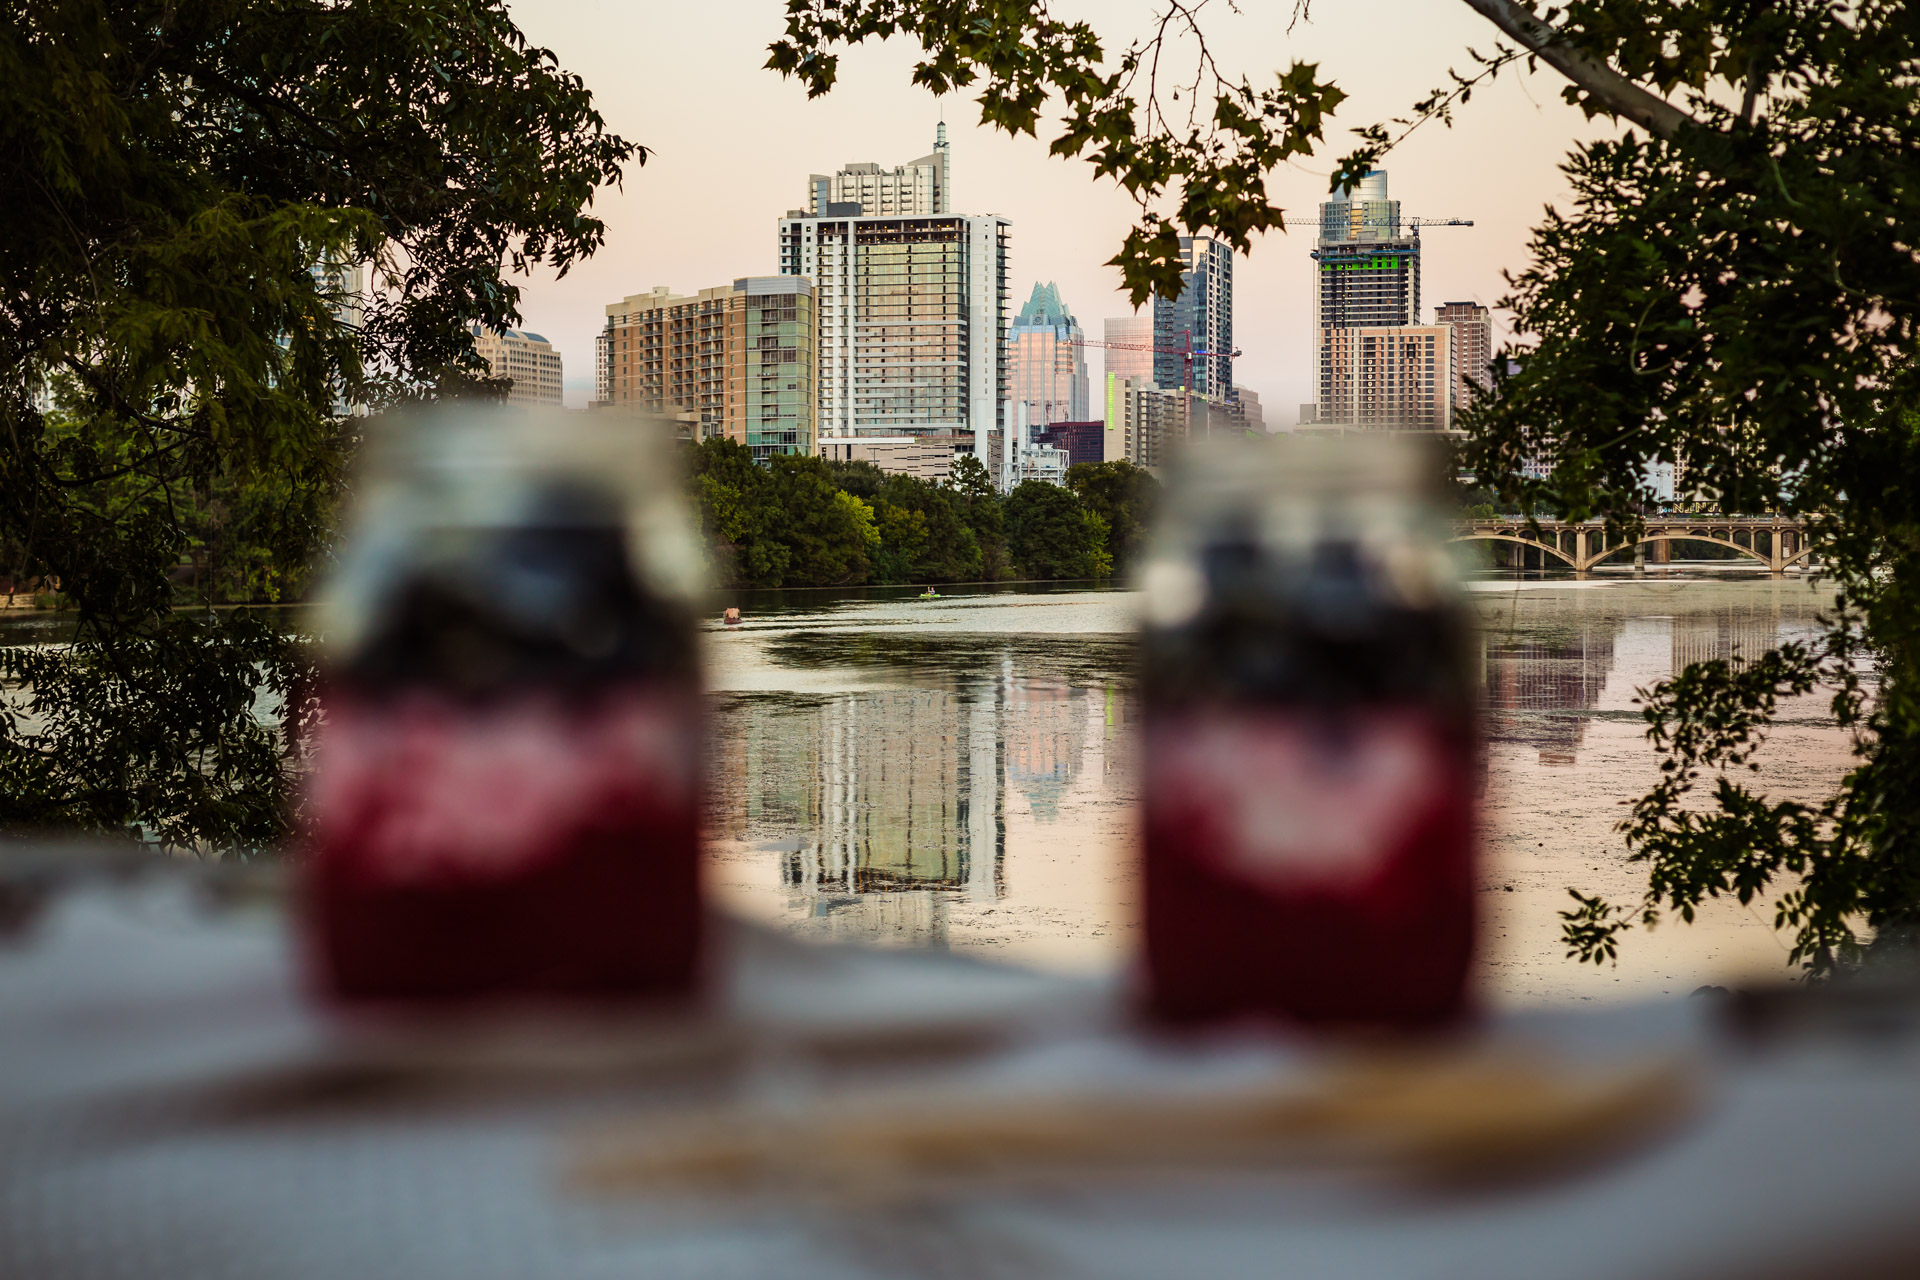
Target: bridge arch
x=1687 y=536
x=1548 y=547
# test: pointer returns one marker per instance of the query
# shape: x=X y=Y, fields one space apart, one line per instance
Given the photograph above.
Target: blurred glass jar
x=505 y=796
x=1309 y=768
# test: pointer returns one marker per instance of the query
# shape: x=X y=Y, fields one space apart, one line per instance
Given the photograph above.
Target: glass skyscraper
x=1048 y=369
x=1200 y=319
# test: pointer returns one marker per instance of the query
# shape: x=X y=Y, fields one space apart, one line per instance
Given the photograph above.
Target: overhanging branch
x=1614 y=93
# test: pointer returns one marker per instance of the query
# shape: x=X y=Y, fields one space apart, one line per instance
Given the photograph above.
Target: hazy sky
x=733 y=145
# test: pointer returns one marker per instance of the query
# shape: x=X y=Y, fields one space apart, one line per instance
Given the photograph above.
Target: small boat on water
x=929 y=594
x=730 y=618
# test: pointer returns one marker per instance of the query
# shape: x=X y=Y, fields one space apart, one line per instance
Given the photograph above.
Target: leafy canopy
x=805 y=522
x=193 y=191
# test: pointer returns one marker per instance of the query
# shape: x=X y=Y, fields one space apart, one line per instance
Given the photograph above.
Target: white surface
x=127 y=1016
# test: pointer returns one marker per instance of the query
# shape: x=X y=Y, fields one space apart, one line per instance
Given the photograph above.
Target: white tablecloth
x=172 y=1106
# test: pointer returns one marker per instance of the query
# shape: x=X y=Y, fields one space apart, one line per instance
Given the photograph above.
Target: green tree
x=1734 y=290
x=903 y=541
x=858 y=477
x=830 y=534
x=739 y=524
x=980 y=509
x=187 y=188
x=786 y=523
x=1050 y=535
x=1123 y=496
x=947 y=550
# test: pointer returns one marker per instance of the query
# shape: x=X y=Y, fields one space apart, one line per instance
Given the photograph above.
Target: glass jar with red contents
x=1310 y=753
x=505 y=798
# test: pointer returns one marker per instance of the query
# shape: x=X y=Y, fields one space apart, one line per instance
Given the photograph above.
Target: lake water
x=961 y=772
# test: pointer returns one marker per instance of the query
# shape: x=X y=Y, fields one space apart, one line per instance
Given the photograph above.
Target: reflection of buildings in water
x=1736 y=635
x=1118 y=714
x=906 y=809
x=1538 y=692
x=885 y=807
x=1046 y=740
x=906 y=794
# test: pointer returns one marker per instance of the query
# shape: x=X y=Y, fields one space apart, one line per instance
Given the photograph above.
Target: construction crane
x=1185 y=352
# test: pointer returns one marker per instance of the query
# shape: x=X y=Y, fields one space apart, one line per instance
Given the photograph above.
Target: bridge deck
x=1584 y=544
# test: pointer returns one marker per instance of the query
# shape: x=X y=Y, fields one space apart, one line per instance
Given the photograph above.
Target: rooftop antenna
x=943 y=198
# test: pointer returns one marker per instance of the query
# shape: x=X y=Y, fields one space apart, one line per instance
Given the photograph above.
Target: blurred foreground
x=172 y=1104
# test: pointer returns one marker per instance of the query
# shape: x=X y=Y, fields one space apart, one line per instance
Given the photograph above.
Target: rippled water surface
x=960 y=772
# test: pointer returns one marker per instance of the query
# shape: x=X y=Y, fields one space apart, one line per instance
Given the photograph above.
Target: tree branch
x=1614 y=93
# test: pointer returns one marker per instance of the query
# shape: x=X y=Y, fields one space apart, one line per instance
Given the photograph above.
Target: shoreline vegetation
x=801 y=521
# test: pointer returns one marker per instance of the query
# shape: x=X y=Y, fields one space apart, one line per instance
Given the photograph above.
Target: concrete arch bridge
x=1775 y=541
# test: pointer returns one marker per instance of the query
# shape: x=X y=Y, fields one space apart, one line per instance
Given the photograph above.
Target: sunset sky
x=733 y=145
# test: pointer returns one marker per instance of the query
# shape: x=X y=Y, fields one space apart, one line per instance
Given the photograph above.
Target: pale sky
x=733 y=145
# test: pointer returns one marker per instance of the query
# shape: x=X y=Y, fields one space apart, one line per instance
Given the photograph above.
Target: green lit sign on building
x=1365 y=264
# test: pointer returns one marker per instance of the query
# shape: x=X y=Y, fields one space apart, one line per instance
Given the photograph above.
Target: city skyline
x=1498 y=166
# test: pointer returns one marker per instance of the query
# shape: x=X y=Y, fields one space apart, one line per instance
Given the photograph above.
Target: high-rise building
x=916 y=188
x=1366 y=276
x=1256 y=416
x=1083 y=441
x=1472 y=348
x=1200 y=319
x=527 y=358
x=736 y=361
x=1046 y=365
x=1396 y=378
x=1145 y=423
x=912 y=322
x=1130 y=348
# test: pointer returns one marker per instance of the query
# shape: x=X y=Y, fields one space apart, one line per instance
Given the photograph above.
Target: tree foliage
x=1739 y=297
x=1733 y=290
x=1123 y=496
x=190 y=188
x=1051 y=534
x=804 y=522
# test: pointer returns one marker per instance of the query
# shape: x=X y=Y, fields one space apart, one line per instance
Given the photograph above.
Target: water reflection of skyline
x=1046 y=742
x=1538 y=691
x=943 y=787
x=1734 y=634
x=1546 y=663
x=884 y=805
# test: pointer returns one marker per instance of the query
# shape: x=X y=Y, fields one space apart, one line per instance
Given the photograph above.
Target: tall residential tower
x=912 y=318
x=1366 y=276
x=734 y=361
x=1129 y=347
x=916 y=188
x=1472 y=348
x=526 y=358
